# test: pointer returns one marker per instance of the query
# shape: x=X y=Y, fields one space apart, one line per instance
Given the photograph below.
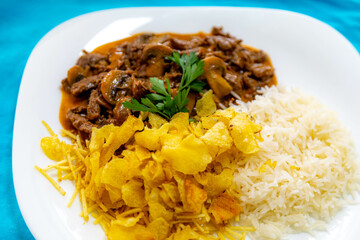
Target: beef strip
x=235 y=81
x=218 y=31
x=140 y=87
x=86 y=84
x=249 y=82
x=93 y=108
x=65 y=85
x=221 y=43
x=262 y=71
x=179 y=44
x=79 y=121
x=90 y=60
x=121 y=113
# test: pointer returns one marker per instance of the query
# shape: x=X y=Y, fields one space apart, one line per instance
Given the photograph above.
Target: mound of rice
x=316 y=167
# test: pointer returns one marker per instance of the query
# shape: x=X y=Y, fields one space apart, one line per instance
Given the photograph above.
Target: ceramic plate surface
x=305 y=52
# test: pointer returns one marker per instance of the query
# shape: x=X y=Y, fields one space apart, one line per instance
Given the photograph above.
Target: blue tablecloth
x=23 y=23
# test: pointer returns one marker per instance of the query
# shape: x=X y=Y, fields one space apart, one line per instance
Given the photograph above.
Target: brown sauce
x=68 y=101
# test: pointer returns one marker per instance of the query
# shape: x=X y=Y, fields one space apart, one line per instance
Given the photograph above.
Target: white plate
x=305 y=52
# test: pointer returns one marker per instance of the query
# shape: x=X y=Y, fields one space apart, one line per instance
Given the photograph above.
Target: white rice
x=316 y=165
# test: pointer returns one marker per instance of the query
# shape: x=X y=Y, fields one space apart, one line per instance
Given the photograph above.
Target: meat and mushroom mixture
x=102 y=80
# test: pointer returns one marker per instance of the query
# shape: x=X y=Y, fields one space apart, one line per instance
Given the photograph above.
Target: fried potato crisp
x=243 y=131
x=171 y=181
x=206 y=105
x=224 y=207
x=196 y=152
x=53 y=148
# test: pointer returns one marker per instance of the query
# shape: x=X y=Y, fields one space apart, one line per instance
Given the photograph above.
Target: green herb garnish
x=161 y=101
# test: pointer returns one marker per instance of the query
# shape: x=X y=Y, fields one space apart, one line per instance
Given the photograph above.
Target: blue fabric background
x=23 y=23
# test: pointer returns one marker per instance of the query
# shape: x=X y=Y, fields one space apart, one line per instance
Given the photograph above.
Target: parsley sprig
x=161 y=102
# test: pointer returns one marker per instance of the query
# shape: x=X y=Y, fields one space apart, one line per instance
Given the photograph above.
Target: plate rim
x=15 y=135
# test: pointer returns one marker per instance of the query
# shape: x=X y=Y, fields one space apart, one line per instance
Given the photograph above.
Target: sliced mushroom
x=214 y=70
x=154 y=56
x=75 y=74
x=102 y=102
x=112 y=83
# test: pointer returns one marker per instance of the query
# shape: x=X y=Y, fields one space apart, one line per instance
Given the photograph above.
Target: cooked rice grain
x=316 y=166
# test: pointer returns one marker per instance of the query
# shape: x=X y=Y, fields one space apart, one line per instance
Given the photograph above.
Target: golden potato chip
x=201 y=178
x=133 y=167
x=98 y=178
x=157 y=156
x=188 y=233
x=119 y=170
x=243 y=130
x=226 y=158
x=218 y=183
x=218 y=136
x=180 y=180
x=91 y=191
x=154 y=195
x=159 y=228
x=105 y=200
x=53 y=148
x=115 y=172
x=98 y=137
x=158 y=210
x=168 y=171
x=114 y=193
x=153 y=174
x=137 y=232
x=172 y=191
x=190 y=156
x=156 y=121
x=208 y=122
x=185 y=234
x=228 y=113
x=224 y=207
x=128 y=221
x=109 y=138
x=133 y=194
x=144 y=236
x=94 y=159
x=196 y=129
x=130 y=154
x=179 y=123
x=206 y=106
x=171 y=139
x=150 y=138
x=166 y=199
x=142 y=153
x=195 y=197
x=224 y=115
x=143 y=115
